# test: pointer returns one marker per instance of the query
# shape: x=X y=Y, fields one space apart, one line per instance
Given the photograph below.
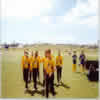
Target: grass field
x=13 y=84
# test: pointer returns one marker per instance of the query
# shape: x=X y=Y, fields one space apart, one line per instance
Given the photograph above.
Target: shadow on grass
x=39 y=83
x=78 y=72
x=63 y=85
x=41 y=92
x=32 y=92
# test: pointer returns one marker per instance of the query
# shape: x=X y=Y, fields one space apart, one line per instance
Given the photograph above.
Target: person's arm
x=54 y=65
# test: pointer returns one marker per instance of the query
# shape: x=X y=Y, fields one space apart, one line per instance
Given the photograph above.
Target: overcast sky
x=53 y=21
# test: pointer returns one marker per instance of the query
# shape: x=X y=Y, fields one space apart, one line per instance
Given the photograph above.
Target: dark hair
x=49 y=51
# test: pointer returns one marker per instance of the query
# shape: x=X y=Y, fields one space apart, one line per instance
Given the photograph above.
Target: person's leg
x=29 y=75
x=36 y=79
x=38 y=74
x=24 y=75
x=83 y=69
x=47 y=86
x=33 y=75
x=60 y=72
x=52 y=84
x=57 y=74
x=43 y=78
x=26 y=78
x=74 y=67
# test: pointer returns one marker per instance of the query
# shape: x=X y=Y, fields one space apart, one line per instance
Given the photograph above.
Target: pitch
x=75 y=85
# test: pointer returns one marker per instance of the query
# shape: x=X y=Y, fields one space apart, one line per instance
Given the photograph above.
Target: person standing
x=38 y=69
x=34 y=68
x=82 y=59
x=25 y=67
x=30 y=70
x=44 y=60
x=74 y=58
x=59 y=65
x=49 y=73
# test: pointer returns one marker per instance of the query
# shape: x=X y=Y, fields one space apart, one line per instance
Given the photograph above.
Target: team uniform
x=44 y=60
x=30 y=70
x=34 y=68
x=49 y=76
x=74 y=57
x=82 y=62
x=38 y=69
x=59 y=64
x=25 y=67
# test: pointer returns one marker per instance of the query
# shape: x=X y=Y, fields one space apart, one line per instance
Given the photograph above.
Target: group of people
x=82 y=60
x=31 y=69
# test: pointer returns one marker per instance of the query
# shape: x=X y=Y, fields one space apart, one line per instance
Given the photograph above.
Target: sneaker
x=33 y=89
x=57 y=84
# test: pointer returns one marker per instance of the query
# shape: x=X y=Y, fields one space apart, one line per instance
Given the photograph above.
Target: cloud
x=46 y=19
x=25 y=8
x=81 y=13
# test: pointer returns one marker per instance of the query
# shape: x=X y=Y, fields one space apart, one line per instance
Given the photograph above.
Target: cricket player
x=30 y=70
x=25 y=67
x=38 y=69
x=82 y=59
x=49 y=72
x=34 y=68
x=74 y=58
x=59 y=65
x=44 y=60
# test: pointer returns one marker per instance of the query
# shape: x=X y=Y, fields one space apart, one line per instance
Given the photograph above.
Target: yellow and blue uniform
x=74 y=57
x=82 y=62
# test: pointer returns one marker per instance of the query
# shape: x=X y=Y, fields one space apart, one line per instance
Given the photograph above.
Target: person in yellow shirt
x=30 y=70
x=59 y=65
x=38 y=70
x=49 y=74
x=25 y=68
x=34 y=68
x=44 y=61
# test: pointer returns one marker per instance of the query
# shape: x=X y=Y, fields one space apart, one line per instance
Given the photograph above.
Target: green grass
x=13 y=85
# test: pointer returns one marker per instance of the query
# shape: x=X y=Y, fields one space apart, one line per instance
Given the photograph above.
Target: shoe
x=54 y=93
x=33 y=89
x=60 y=81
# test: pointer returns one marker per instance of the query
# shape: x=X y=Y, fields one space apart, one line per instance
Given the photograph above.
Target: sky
x=49 y=21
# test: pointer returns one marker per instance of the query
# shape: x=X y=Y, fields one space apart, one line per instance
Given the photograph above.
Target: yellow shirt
x=25 y=62
x=39 y=61
x=31 y=59
x=59 y=61
x=49 y=66
x=35 y=63
x=44 y=61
